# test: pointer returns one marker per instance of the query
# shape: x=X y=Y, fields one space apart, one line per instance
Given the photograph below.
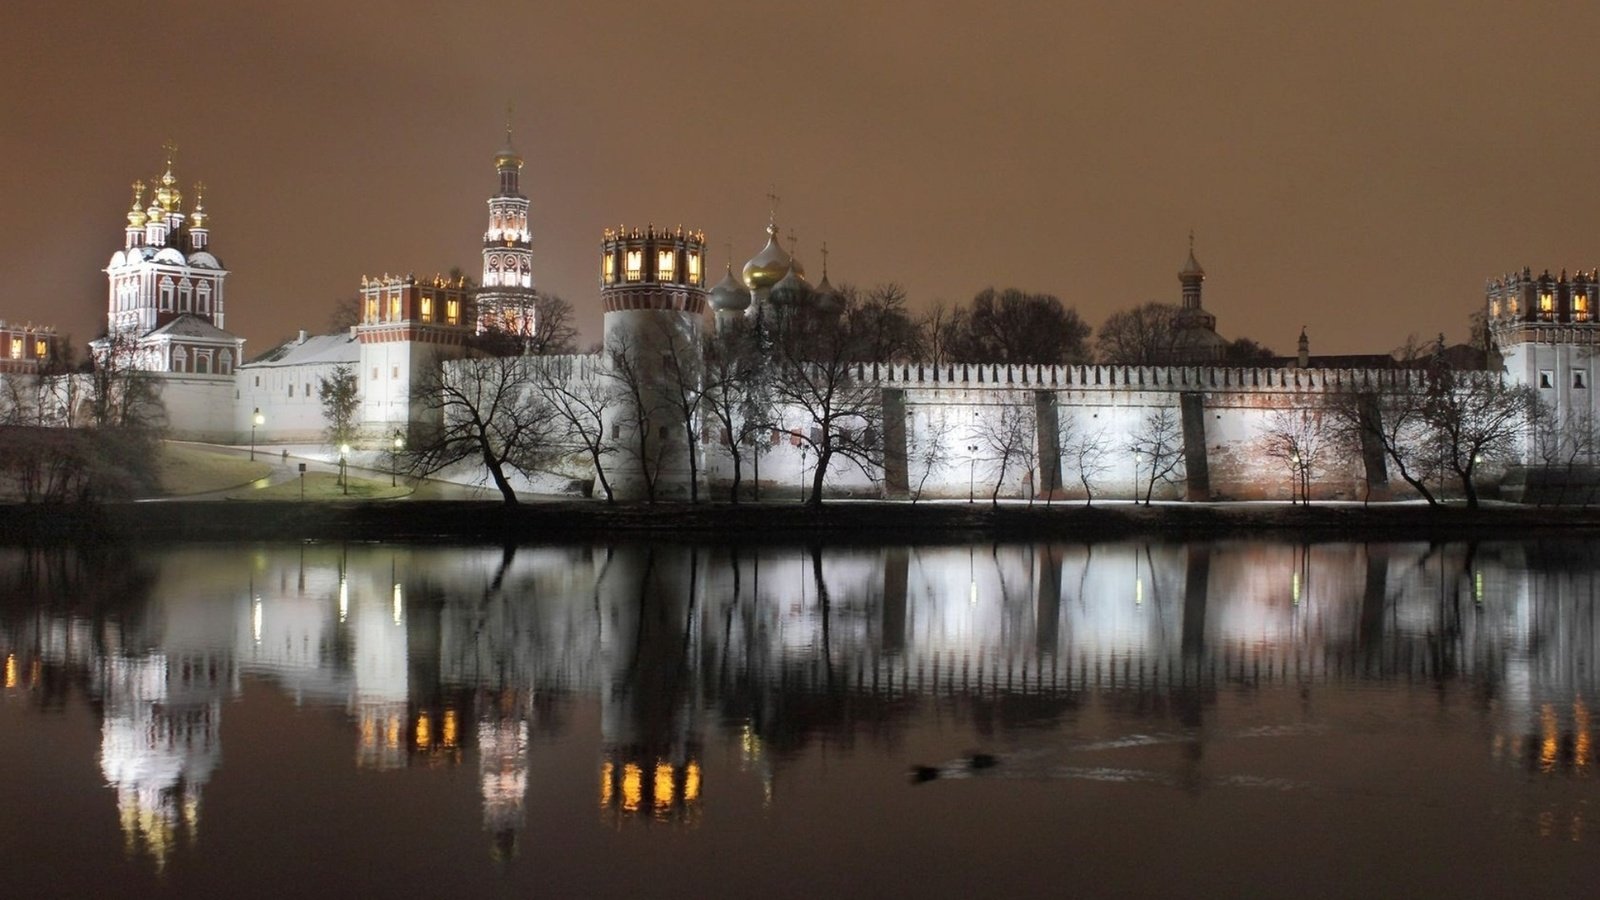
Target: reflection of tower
x=651 y=760
x=160 y=743
x=377 y=626
x=503 y=771
x=653 y=287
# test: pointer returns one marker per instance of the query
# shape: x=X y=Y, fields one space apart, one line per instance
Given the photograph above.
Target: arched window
x=180 y=360
x=225 y=363
x=202 y=363
x=166 y=295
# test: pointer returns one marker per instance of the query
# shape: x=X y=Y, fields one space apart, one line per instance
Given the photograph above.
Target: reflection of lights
x=972 y=593
x=424 y=730
x=399 y=604
x=632 y=787
x=691 y=783
x=369 y=732
x=1477 y=586
x=662 y=790
x=1581 y=749
x=1138 y=591
x=606 y=771
x=344 y=599
x=1549 y=745
x=11 y=670
x=391 y=735
x=450 y=728
x=1294 y=588
x=255 y=621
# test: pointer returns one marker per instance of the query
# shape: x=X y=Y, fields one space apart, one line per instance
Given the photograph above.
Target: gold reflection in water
x=691 y=783
x=606 y=771
x=391 y=735
x=661 y=792
x=450 y=728
x=632 y=787
x=424 y=730
x=1550 y=741
x=11 y=670
x=1582 y=749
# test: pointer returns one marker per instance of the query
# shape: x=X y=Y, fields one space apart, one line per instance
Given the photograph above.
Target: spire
x=824 y=260
x=136 y=211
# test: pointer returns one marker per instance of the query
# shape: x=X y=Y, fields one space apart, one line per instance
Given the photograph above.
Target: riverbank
x=835 y=522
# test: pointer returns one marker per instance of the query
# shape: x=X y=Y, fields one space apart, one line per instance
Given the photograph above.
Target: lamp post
x=972 y=471
x=256 y=420
x=394 y=458
x=344 y=476
x=804 y=449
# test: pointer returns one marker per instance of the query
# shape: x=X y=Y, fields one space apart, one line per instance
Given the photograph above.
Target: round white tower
x=653 y=286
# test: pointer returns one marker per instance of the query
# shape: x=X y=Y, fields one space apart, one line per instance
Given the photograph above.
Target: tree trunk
x=738 y=470
x=497 y=473
x=824 y=456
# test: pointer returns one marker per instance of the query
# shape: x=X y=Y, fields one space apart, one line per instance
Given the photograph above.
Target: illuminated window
x=634 y=265
x=372 y=309
x=16 y=348
x=694 y=267
x=1512 y=305
x=1580 y=307
x=1494 y=307
x=608 y=269
x=41 y=349
x=1547 y=305
x=394 y=308
x=452 y=312
x=427 y=309
x=665 y=259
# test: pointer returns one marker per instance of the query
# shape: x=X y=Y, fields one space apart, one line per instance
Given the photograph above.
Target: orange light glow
x=606 y=771
x=662 y=790
x=632 y=787
x=1550 y=743
x=11 y=671
x=691 y=783
x=451 y=728
x=424 y=730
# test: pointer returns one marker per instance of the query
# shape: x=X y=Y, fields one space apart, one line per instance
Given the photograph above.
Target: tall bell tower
x=506 y=299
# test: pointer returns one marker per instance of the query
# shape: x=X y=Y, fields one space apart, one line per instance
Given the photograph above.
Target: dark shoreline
x=833 y=523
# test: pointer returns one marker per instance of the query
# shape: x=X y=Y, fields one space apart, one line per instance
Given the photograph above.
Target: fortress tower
x=407 y=328
x=652 y=284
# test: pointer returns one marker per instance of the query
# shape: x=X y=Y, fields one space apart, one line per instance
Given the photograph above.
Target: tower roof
x=507 y=156
x=1191 y=268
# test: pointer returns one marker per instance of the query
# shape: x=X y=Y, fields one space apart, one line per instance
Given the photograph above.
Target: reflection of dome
x=791 y=290
x=729 y=294
x=767 y=267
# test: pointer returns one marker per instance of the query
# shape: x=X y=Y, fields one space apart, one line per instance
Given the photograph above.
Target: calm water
x=1164 y=719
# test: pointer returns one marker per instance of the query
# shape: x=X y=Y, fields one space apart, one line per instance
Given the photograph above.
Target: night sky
x=1359 y=168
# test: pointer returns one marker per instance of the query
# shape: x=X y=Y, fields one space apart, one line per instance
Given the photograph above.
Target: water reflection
x=472 y=656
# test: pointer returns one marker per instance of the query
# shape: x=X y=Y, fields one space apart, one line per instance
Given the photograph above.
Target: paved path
x=285 y=467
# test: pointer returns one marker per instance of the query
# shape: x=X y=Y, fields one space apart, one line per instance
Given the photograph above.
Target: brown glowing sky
x=1358 y=168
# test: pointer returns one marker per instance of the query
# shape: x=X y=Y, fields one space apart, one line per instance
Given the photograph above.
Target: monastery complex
x=166 y=308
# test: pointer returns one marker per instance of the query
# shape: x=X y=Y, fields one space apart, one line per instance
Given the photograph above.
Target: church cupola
x=506 y=299
x=1191 y=278
x=199 y=234
x=134 y=235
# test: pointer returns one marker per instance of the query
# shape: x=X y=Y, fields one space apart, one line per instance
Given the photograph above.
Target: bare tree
x=928 y=450
x=940 y=327
x=546 y=329
x=880 y=319
x=642 y=406
x=1475 y=420
x=487 y=412
x=1012 y=326
x=682 y=389
x=1159 y=440
x=1294 y=437
x=1088 y=452
x=580 y=400
x=817 y=375
x=345 y=314
x=122 y=394
x=738 y=397
x=1394 y=423
x=1004 y=440
x=1561 y=441
x=1141 y=336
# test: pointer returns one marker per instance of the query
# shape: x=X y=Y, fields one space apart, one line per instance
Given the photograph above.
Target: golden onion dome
x=507 y=156
x=766 y=268
x=136 y=216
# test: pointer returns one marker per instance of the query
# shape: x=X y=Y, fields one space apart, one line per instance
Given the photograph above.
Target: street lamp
x=972 y=470
x=256 y=420
x=804 y=449
x=394 y=458
x=344 y=477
